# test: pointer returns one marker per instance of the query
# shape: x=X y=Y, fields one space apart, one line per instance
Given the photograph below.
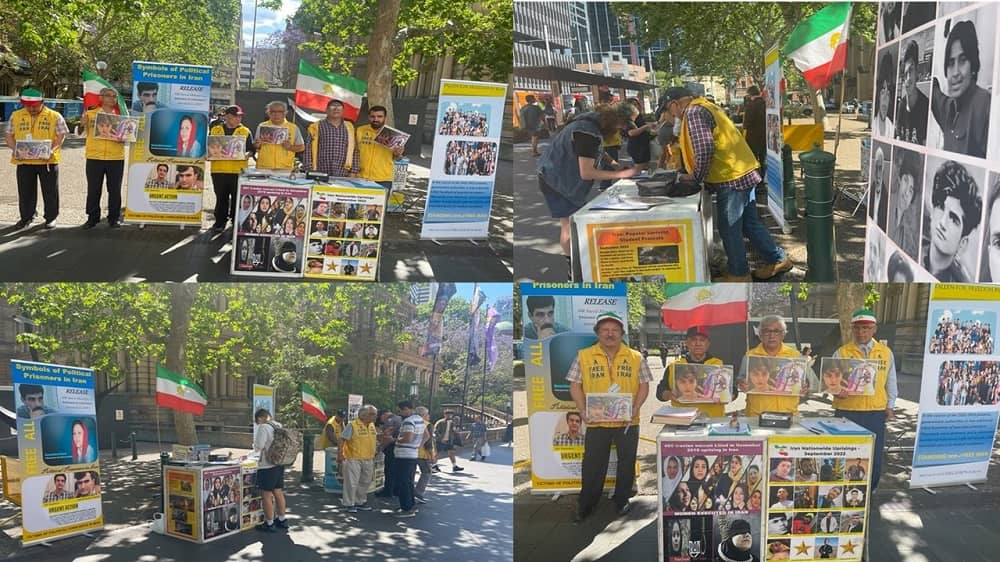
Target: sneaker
x=266 y=528
x=457 y=468
x=772 y=269
x=579 y=516
x=623 y=510
x=218 y=229
x=404 y=513
x=49 y=225
x=88 y=225
x=363 y=507
x=281 y=523
x=22 y=223
x=419 y=499
x=352 y=509
x=114 y=224
x=473 y=459
x=435 y=468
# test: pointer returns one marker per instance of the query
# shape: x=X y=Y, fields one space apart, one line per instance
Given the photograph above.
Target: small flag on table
x=312 y=404
x=177 y=393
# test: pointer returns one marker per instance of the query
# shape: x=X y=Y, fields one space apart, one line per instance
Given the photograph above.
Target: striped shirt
x=700 y=125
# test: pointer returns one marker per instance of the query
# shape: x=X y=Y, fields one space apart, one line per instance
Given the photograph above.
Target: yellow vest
x=732 y=159
x=710 y=410
x=42 y=127
x=424 y=452
x=376 y=160
x=879 y=400
x=314 y=144
x=361 y=445
x=338 y=430
x=101 y=149
x=229 y=166
x=596 y=379
x=757 y=403
x=274 y=156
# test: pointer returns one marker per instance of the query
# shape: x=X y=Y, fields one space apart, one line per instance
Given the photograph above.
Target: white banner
x=773 y=85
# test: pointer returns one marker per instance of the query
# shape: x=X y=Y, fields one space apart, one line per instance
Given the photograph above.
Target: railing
x=494 y=417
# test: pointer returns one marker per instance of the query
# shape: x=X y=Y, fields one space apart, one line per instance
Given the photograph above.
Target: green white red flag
x=818 y=44
x=92 y=86
x=315 y=87
x=704 y=304
x=176 y=392
x=312 y=404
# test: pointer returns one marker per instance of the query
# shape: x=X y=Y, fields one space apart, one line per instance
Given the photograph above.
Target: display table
x=801 y=492
x=206 y=501
x=666 y=242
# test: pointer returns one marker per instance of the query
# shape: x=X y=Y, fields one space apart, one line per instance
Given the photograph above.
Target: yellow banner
x=803 y=137
x=167 y=219
x=478 y=89
x=650 y=248
x=959 y=292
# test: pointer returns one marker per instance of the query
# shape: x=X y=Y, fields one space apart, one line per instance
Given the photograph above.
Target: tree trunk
x=181 y=300
x=381 y=52
x=850 y=297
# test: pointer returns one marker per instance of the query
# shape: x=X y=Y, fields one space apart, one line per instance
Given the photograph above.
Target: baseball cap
x=31 y=96
x=233 y=110
x=675 y=93
x=863 y=315
x=608 y=316
x=697 y=331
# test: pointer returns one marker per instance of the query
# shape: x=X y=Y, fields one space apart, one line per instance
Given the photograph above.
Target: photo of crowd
x=467 y=158
x=964 y=332
x=968 y=383
x=465 y=120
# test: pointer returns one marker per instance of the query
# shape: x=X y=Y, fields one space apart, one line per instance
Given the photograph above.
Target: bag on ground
x=285 y=447
x=485 y=450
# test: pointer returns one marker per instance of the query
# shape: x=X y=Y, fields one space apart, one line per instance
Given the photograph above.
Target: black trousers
x=28 y=177
x=389 y=488
x=596 y=448
x=225 y=197
x=404 y=470
x=97 y=170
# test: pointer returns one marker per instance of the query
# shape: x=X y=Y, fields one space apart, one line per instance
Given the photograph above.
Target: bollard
x=135 y=451
x=114 y=446
x=307 y=457
x=818 y=168
x=788 y=184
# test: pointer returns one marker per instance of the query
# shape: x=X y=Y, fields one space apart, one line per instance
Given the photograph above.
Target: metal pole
x=548 y=50
x=430 y=398
x=590 y=60
x=253 y=46
x=840 y=116
x=482 y=397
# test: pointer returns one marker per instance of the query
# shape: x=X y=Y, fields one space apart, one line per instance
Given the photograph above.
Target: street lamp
x=414 y=390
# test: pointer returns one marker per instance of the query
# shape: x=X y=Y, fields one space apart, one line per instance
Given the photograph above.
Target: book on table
x=670 y=415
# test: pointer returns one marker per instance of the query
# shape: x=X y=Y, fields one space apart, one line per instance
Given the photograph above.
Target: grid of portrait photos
x=180 y=496
x=965 y=381
x=253 y=509
x=707 y=384
x=270 y=230
x=345 y=229
x=935 y=157
x=816 y=504
x=221 y=492
x=776 y=375
x=712 y=499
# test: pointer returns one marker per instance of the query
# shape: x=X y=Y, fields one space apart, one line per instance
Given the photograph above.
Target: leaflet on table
x=959 y=398
x=659 y=250
x=271 y=221
x=817 y=495
x=57 y=444
x=558 y=322
x=853 y=376
x=775 y=375
x=345 y=231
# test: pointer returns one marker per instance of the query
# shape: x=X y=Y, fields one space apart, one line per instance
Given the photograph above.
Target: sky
x=492 y=290
x=268 y=21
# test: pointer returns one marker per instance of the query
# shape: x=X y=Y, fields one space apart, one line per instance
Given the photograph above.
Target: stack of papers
x=669 y=415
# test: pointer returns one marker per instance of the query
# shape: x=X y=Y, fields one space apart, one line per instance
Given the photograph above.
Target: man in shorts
x=270 y=477
x=444 y=434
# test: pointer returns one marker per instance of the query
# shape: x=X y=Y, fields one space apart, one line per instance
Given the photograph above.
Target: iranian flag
x=818 y=44
x=315 y=87
x=704 y=304
x=92 y=86
x=177 y=393
x=312 y=404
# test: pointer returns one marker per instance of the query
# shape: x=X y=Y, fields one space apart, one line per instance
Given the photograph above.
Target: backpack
x=285 y=447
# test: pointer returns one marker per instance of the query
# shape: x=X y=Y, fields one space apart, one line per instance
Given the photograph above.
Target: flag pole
x=486 y=360
x=468 y=348
x=158 y=442
x=840 y=115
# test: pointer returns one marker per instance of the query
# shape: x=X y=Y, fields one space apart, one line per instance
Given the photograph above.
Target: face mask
x=677 y=126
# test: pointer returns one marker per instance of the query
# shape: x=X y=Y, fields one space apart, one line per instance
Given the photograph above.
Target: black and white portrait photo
x=989 y=269
x=885 y=92
x=906 y=189
x=899 y=269
x=916 y=14
x=962 y=79
x=878 y=184
x=953 y=209
x=913 y=87
x=875 y=255
x=889 y=17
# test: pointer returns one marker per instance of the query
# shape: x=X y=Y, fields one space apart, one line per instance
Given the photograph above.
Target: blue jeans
x=874 y=422
x=736 y=215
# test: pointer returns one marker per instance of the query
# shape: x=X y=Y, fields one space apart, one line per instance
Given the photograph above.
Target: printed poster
x=934 y=186
x=221 y=492
x=252 y=511
x=354 y=403
x=345 y=230
x=710 y=493
x=558 y=321
x=166 y=172
x=183 y=515
x=702 y=384
x=662 y=250
x=773 y=174
x=464 y=160
x=817 y=496
x=776 y=375
x=959 y=392
x=58 y=450
x=263 y=397
x=856 y=377
x=270 y=229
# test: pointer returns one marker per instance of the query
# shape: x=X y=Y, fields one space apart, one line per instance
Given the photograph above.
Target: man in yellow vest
x=871 y=412
x=608 y=366
x=697 y=343
x=376 y=160
x=226 y=173
x=357 y=459
x=35 y=122
x=333 y=429
x=333 y=148
x=715 y=153
x=772 y=330
x=105 y=159
x=272 y=156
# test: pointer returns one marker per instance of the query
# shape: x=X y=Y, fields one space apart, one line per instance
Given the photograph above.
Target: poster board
x=464 y=160
x=558 y=322
x=181 y=511
x=252 y=509
x=57 y=445
x=263 y=397
x=956 y=425
x=697 y=511
x=166 y=171
x=774 y=174
x=346 y=220
x=817 y=495
x=354 y=403
x=928 y=153
x=270 y=228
